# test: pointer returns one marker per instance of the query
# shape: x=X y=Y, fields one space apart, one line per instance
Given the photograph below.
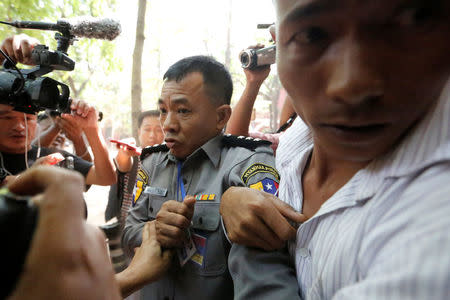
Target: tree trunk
x=136 y=80
x=228 y=47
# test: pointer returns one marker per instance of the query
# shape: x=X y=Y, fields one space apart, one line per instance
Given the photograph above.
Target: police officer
x=181 y=182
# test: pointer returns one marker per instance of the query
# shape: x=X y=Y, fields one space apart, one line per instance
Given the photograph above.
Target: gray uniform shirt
x=207 y=174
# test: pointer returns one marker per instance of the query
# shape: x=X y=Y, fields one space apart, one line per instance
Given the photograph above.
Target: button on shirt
x=207 y=174
x=386 y=233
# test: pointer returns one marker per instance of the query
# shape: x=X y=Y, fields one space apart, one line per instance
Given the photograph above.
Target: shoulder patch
x=153 y=149
x=243 y=141
x=141 y=181
x=259 y=168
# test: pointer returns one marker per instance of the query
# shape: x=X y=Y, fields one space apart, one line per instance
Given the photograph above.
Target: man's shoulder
x=245 y=144
x=149 y=150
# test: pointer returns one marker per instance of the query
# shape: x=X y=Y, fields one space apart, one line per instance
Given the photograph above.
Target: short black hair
x=216 y=78
x=145 y=114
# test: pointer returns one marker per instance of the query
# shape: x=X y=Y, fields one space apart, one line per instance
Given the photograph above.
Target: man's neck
x=323 y=176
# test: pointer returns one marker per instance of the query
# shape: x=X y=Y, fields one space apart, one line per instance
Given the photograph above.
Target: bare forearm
x=81 y=149
x=105 y=173
x=47 y=137
x=242 y=112
x=124 y=162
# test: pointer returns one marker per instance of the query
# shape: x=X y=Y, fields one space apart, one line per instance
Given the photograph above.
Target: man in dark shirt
x=18 y=130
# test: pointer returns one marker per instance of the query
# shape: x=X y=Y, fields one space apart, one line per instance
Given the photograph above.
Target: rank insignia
x=266 y=185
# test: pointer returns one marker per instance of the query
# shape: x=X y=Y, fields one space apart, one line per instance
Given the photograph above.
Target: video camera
x=26 y=90
x=253 y=58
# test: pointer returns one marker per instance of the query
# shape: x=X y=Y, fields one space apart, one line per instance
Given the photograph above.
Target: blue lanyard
x=180 y=185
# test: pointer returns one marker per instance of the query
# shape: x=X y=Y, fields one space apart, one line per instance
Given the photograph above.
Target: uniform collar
x=211 y=148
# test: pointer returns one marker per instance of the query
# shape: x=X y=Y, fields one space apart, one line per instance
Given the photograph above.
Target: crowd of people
x=349 y=200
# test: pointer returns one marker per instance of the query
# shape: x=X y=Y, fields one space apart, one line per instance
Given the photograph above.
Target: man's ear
x=223 y=114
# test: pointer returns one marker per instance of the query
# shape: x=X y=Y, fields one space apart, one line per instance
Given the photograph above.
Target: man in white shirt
x=368 y=163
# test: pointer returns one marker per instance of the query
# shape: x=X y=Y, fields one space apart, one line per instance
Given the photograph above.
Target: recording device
x=26 y=90
x=253 y=58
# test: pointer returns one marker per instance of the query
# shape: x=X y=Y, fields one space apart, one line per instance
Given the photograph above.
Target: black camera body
x=18 y=217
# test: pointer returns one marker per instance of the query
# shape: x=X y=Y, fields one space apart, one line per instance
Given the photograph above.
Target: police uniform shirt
x=207 y=173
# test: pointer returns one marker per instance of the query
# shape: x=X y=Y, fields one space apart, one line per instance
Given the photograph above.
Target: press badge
x=187 y=251
x=157 y=191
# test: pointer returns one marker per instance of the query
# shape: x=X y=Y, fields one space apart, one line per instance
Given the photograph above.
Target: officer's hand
x=172 y=220
x=68 y=258
x=19 y=48
x=257 y=219
x=149 y=263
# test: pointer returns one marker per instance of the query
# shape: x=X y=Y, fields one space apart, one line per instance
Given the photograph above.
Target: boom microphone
x=90 y=27
x=93 y=28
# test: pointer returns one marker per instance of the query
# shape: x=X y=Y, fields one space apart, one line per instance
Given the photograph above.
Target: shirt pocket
x=213 y=251
x=154 y=205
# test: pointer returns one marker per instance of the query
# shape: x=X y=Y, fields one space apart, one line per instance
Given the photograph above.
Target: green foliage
x=95 y=61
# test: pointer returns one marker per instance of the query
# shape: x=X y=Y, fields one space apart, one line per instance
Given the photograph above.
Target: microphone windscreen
x=95 y=28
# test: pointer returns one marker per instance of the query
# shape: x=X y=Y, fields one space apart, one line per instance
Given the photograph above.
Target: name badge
x=157 y=191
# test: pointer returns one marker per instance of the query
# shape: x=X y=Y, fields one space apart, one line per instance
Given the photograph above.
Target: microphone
x=93 y=28
x=90 y=27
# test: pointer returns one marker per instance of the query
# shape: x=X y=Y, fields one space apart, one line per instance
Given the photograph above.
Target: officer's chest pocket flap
x=206 y=216
x=154 y=205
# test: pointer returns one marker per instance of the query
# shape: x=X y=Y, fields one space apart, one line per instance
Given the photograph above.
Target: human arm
x=148 y=264
x=47 y=137
x=69 y=260
x=264 y=221
x=124 y=157
x=103 y=171
x=242 y=112
x=261 y=275
x=18 y=48
x=287 y=111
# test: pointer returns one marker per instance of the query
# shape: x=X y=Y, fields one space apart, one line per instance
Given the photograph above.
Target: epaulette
x=243 y=141
x=153 y=149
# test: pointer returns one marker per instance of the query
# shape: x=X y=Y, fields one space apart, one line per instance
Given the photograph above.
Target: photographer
x=18 y=130
x=70 y=260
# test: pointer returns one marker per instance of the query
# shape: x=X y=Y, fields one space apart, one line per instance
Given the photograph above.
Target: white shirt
x=386 y=233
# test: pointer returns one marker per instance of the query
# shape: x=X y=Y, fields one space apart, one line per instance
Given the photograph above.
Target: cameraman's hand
x=70 y=128
x=259 y=74
x=19 y=48
x=83 y=114
x=68 y=258
x=172 y=220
